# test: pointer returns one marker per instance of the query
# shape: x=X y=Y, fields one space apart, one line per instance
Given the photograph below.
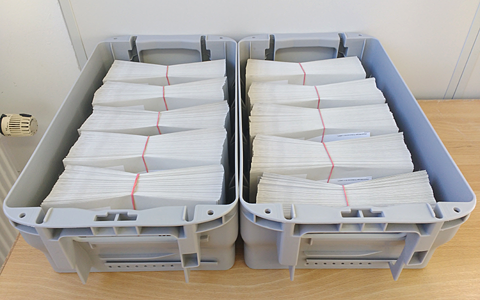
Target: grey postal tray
x=160 y=239
x=362 y=237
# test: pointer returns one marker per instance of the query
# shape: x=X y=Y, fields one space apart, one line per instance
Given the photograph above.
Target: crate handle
x=411 y=241
x=324 y=45
x=165 y=42
x=327 y=40
x=189 y=249
x=288 y=248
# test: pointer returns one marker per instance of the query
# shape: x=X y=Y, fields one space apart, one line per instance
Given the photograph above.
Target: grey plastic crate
x=319 y=237
x=160 y=239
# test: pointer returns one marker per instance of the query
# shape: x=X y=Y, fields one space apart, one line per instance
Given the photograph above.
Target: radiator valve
x=18 y=125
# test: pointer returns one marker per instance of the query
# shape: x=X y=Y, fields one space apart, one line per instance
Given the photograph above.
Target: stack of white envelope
x=101 y=188
x=350 y=93
x=160 y=98
x=136 y=153
x=408 y=188
x=147 y=146
x=134 y=72
x=324 y=121
x=308 y=123
x=144 y=122
x=378 y=156
x=308 y=73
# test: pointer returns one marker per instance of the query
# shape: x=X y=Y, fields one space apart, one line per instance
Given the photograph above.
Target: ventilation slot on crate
x=418 y=258
x=312 y=228
x=357 y=227
x=359 y=213
x=109 y=231
x=401 y=227
x=80 y=232
x=354 y=213
x=115 y=217
x=105 y=218
x=268 y=224
x=368 y=213
x=454 y=223
x=126 y=231
x=24 y=228
x=210 y=225
x=374 y=227
x=426 y=229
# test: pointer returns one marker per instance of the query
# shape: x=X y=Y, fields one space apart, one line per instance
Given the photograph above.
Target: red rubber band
x=345 y=193
x=164 y=99
x=304 y=74
x=143 y=154
x=320 y=112
x=166 y=75
x=318 y=95
x=158 y=120
x=133 y=191
x=333 y=165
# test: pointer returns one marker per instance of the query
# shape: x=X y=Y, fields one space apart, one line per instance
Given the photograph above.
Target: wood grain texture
x=452 y=273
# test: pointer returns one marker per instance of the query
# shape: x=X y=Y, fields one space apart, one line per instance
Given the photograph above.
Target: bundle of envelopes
x=145 y=122
x=160 y=98
x=348 y=93
x=321 y=133
x=300 y=122
x=406 y=188
x=98 y=188
x=157 y=137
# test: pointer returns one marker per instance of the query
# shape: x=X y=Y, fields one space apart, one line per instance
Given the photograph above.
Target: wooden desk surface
x=452 y=273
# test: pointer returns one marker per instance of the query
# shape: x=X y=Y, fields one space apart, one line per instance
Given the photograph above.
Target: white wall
x=472 y=90
x=37 y=66
x=424 y=38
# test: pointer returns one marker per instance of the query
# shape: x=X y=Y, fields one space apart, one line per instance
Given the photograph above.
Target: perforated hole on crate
x=160 y=231
x=343 y=263
x=142 y=265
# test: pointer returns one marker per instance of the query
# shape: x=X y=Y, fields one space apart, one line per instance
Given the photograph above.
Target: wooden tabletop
x=452 y=273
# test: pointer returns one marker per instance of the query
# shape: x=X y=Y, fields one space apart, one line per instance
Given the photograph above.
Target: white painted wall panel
x=472 y=90
x=424 y=38
x=37 y=66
